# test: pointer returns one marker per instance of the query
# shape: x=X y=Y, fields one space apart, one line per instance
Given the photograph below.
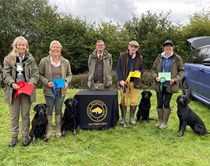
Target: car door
x=204 y=81
x=194 y=71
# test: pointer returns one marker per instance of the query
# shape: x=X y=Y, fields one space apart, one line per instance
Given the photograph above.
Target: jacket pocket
x=175 y=87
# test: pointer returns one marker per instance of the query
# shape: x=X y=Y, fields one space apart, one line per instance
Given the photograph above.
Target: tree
x=75 y=36
x=34 y=19
x=115 y=37
x=151 y=30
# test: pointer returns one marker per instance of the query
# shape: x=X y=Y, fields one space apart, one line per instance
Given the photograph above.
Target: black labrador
x=39 y=123
x=144 y=107
x=68 y=120
x=188 y=117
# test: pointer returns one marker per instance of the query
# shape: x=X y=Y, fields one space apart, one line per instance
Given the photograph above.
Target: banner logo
x=97 y=110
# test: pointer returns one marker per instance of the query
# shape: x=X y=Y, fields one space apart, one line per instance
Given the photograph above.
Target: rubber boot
x=58 y=119
x=26 y=141
x=160 y=116
x=13 y=141
x=166 y=115
x=48 y=129
x=123 y=112
x=132 y=113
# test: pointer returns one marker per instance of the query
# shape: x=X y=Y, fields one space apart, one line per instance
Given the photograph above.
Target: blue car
x=197 y=69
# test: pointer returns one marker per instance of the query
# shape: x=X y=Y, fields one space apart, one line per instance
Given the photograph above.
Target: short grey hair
x=57 y=42
x=99 y=41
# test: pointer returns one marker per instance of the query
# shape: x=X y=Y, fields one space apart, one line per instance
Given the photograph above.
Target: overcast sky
x=121 y=10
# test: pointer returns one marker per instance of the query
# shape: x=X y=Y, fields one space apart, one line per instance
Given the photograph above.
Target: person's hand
x=136 y=71
x=172 y=81
x=122 y=83
x=50 y=84
x=66 y=85
x=157 y=79
x=15 y=86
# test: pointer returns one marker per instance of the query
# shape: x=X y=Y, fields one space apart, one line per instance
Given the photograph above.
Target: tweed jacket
x=107 y=63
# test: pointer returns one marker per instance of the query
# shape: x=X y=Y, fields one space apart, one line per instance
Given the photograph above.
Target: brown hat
x=134 y=43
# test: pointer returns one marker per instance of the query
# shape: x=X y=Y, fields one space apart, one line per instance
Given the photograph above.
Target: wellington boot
x=13 y=141
x=123 y=112
x=132 y=113
x=58 y=119
x=160 y=116
x=48 y=129
x=166 y=115
x=26 y=141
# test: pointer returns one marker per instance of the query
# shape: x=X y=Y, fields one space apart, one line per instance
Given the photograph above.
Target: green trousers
x=20 y=106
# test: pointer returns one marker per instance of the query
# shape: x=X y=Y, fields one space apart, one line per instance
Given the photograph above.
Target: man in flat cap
x=129 y=62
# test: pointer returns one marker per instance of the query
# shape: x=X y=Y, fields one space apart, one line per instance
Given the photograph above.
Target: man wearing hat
x=167 y=63
x=129 y=61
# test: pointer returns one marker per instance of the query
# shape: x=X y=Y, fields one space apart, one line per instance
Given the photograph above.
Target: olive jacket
x=177 y=73
x=45 y=74
x=9 y=76
x=107 y=63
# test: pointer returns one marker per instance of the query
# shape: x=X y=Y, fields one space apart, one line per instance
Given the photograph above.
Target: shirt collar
x=99 y=54
x=21 y=58
x=55 y=64
x=132 y=56
x=164 y=55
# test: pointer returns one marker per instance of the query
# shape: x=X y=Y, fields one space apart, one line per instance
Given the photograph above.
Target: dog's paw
x=63 y=134
x=180 y=133
x=74 y=132
x=45 y=139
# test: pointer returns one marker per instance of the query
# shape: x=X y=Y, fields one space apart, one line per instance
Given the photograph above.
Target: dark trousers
x=163 y=99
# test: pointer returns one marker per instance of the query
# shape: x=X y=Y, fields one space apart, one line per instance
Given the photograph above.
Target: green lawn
x=141 y=145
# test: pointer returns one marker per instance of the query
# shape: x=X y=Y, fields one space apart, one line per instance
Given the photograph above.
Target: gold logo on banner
x=97 y=110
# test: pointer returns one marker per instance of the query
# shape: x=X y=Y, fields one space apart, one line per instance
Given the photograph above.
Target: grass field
x=141 y=145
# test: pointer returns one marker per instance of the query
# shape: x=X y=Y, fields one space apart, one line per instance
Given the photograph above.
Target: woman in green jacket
x=168 y=61
x=52 y=67
x=19 y=65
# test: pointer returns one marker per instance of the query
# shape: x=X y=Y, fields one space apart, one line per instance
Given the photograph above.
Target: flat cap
x=134 y=43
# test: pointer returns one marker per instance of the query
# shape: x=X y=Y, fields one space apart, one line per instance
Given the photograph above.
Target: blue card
x=59 y=82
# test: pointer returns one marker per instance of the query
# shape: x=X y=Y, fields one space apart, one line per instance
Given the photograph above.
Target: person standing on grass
x=129 y=61
x=100 y=68
x=54 y=66
x=19 y=65
x=167 y=61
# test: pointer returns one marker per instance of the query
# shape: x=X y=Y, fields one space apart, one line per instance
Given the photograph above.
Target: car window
x=197 y=56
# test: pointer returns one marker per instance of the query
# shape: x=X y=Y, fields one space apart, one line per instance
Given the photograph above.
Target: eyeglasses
x=133 y=46
x=100 y=45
